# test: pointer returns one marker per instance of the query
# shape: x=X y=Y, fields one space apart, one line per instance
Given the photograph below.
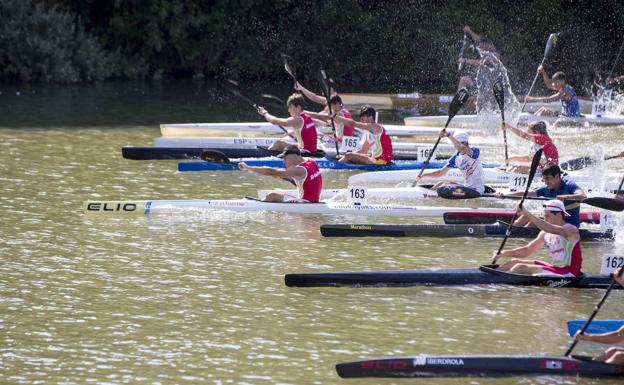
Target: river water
x=200 y=298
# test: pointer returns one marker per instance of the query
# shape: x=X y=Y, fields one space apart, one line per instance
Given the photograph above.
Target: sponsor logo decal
x=111 y=207
x=360 y=227
x=424 y=360
x=458 y=192
x=558 y=282
x=385 y=364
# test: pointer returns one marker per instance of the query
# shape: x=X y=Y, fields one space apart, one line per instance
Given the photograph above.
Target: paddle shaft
x=254 y=105
x=593 y=315
x=534 y=164
x=532 y=85
x=326 y=90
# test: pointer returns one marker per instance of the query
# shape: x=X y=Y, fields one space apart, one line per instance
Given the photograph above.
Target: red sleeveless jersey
x=306 y=136
x=310 y=187
x=347 y=130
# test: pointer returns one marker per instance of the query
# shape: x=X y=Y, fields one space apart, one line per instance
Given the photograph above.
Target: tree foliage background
x=386 y=45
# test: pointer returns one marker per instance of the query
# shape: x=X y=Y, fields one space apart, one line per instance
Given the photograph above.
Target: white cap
x=461 y=136
x=555 y=205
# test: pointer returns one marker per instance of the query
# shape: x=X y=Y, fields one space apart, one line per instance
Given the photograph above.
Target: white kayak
x=139 y=208
x=253 y=142
x=381 y=192
x=212 y=129
x=525 y=118
x=437 y=100
x=491 y=176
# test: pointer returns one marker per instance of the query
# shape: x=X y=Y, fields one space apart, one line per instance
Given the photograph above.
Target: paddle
x=534 y=163
x=462 y=192
x=499 y=95
x=552 y=40
x=593 y=315
x=461 y=52
x=219 y=157
x=273 y=99
x=325 y=87
x=233 y=87
x=288 y=69
x=619 y=190
x=456 y=104
x=584 y=161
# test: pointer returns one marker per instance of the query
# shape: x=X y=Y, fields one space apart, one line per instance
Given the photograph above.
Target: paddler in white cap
x=562 y=240
x=467 y=159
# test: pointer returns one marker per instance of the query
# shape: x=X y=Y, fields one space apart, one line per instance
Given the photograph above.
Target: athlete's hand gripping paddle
x=534 y=164
x=457 y=103
x=593 y=315
x=550 y=43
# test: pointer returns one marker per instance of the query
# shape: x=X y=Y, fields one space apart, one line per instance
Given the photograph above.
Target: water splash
x=488 y=113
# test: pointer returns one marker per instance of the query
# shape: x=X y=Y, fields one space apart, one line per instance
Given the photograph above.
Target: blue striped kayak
x=322 y=163
x=597 y=326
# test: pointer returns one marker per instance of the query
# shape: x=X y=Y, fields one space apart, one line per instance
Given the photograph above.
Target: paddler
x=565 y=93
x=614 y=354
x=484 y=46
x=556 y=187
x=377 y=147
x=338 y=108
x=467 y=159
x=562 y=240
x=318 y=99
x=304 y=171
x=302 y=124
x=537 y=134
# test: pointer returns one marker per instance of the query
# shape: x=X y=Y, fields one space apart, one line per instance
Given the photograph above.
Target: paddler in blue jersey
x=556 y=187
x=467 y=159
x=569 y=102
x=613 y=355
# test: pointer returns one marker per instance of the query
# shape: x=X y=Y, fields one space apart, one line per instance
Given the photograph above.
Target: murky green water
x=200 y=298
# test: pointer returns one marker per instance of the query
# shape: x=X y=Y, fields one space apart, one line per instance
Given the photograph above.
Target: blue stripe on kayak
x=322 y=163
x=148 y=207
x=597 y=326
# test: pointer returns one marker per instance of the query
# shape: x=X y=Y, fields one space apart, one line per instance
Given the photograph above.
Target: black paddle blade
x=273 y=99
x=287 y=67
x=611 y=204
x=233 y=87
x=499 y=95
x=534 y=164
x=458 y=102
x=457 y=192
x=214 y=156
x=578 y=163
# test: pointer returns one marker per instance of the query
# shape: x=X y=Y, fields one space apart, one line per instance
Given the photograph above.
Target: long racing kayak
x=483 y=275
x=446 y=231
x=596 y=326
x=322 y=163
x=147 y=207
x=478 y=366
x=470 y=218
x=525 y=118
x=212 y=129
x=490 y=176
x=165 y=153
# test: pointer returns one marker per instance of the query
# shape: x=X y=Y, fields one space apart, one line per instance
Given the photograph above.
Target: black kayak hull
x=477 y=231
x=166 y=153
x=484 y=275
x=478 y=366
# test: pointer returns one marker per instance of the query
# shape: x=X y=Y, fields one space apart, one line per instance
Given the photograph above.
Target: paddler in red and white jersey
x=337 y=107
x=562 y=240
x=304 y=171
x=302 y=124
x=537 y=134
x=377 y=148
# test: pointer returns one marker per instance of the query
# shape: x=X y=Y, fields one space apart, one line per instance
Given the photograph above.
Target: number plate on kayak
x=349 y=143
x=611 y=263
x=518 y=182
x=422 y=153
x=357 y=195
